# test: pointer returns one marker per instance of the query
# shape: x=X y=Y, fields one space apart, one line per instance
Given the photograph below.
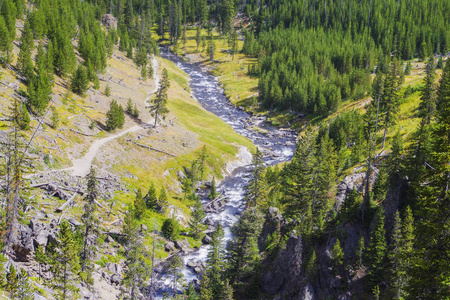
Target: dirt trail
x=82 y=165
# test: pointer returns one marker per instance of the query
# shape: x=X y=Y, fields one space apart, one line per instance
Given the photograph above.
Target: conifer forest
x=225 y=149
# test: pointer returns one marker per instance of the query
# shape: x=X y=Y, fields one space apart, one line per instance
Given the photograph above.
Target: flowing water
x=277 y=146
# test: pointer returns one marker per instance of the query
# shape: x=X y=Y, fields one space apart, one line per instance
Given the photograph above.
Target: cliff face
x=284 y=276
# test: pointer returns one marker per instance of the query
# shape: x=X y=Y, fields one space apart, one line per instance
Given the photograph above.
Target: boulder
x=206 y=239
x=191 y=264
x=181 y=175
x=113 y=268
x=143 y=228
x=116 y=279
x=74 y=222
x=23 y=247
x=208 y=222
x=169 y=247
x=41 y=239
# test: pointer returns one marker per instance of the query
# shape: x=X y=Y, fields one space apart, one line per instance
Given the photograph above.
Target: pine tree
x=135 y=112
x=64 y=263
x=198 y=37
x=90 y=222
x=360 y=252
x=215 y=264
x=54 y=118
x=107 y=90
x=242 y=250
x=25 y=63
x=395 y=260
x=430 y=269
x=80 y=81
x=389 y=99
x=377 y=250
x=337 y=254
x=163 y=199
x=234 y=43
x=406 y=250
x=170 y=228
x=40 y=86
x=24 y=290
x=6 y=43
x=197 y=216
x=213 y=193
x=427 y=107
x=202 y=162
x=396 y=157
x=151 y=199
x=11 y=281
x=139 y=205
x=158 y=108
x=408 y=68
x=254 y=190
x=115 y=116
x=174 y=268
x=129 y=108
x=136 y=271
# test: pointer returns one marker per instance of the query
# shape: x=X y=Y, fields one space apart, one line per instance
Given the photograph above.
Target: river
x=277 y=145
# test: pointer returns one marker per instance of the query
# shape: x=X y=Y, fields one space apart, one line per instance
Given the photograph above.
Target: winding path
x=82 y=165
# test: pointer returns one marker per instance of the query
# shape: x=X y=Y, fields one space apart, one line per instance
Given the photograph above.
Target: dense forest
x=392 y=233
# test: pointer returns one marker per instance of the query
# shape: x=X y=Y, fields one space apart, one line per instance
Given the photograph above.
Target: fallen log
x=65 y=205
x=82 y=133
x=153 y=149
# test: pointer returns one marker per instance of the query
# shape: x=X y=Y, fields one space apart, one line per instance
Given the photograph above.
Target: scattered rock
x=209 y=222
x=181 y=175
x=116 y=279
x=74 y=222
x=41 y=239
x=206 y=239
x=169 y=247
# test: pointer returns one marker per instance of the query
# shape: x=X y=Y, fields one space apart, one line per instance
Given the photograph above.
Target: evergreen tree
x=408 y=68
x=213 y=193
x=6 y=43
x=150 y=199
x=337 y=254
x=107 y=90
x=427 y=107
x=197 y=216
x=40 y=86
x=136 y=271
x=129 y=108
x=24 y=291
x=64 y=263
x=360 y=252
x=175 y=265
x=11 y=281
x=163 y=199
x=139 y=205
x=396 y=157
x=90 y=222
x=242 y=250
x=24 y=61
x=430 y=269
x=395 y=260
x=170 y=228
x=389 y=100
x=254 y=190
x=54 y=118
x=80 y=81
x=158 y=108
x=377 y=250
x=215 y=264
x=198 y=37
x=202 y=162
x=115 y=116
